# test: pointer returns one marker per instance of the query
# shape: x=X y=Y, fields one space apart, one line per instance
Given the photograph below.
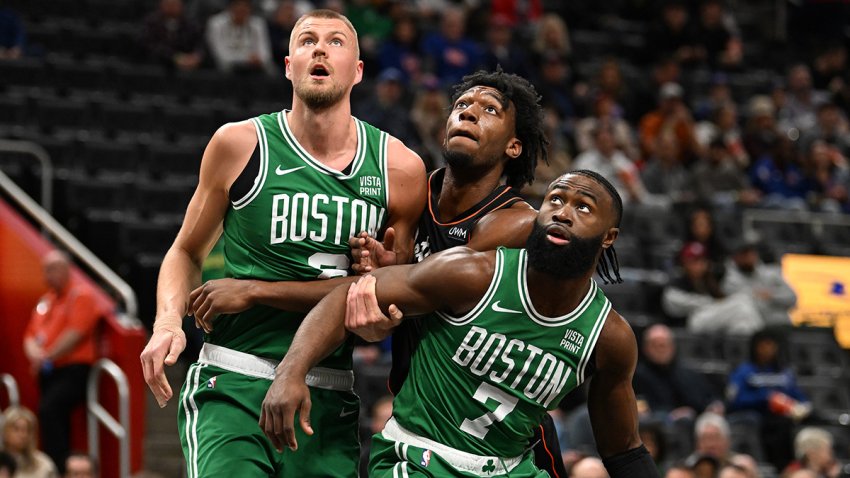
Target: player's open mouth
x=556 y=235
x=463 y=134
x=319 y=71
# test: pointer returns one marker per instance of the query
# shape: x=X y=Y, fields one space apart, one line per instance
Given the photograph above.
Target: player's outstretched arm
x=612 y=405
x=453 y=280
x=224 y=158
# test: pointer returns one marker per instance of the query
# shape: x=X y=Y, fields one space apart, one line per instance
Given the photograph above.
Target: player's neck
x=555 y=297
x=463 y=189
x=325 y=134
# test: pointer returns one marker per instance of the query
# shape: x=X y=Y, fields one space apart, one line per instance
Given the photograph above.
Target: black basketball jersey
x=434 y=236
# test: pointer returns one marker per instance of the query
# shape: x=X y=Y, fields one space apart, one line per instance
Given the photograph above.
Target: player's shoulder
x=617 y=345
x=235 y=134
x=400 y=156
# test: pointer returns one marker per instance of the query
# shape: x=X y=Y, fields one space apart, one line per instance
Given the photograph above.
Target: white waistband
x=461 y=460
x=259 y=367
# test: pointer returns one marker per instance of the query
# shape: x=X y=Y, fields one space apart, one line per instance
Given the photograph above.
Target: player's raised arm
x=224 y=158
x=453 y=281
x=612 y=405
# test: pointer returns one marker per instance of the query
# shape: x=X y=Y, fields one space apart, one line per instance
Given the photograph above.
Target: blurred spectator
x=702 y=228
x=748 y=463
x=552 y=38
x=518 y=13
x=239 y=40
x=388 y=110
x=829 y=176
x=732 y=471
x=813 y=451
x=80 y=465
x=713 y=439
x=696 y=298
x=606 y=110
x=680 y=471
x=559 y=159
x=554 y=86
x=501 y=50
x=652 y=436
x=60 y=344
x=371 y=23
x=760 y=135
x=7 y=465
x=664 y=71
x=720 y=181
x=280 y=26
x=802 y=474
x=606 y=159
x=381 y=411
x=672 y=35
x=451 y=53
x=801 y=102
x=671 y=391
x=828 y=68
x=19 y=440
x=831 y=128
x=171 y=38
x=765 y=392
x=746 y=273
x=610 y=85
x=665 y=176
x=717 y=37
x=724 y=126
x=200 y=11
x=12 y=35
x=402 y=49
x=671 y=118
x=588 y=467
x=428 y=115
x=719 y=94
x=779 y=178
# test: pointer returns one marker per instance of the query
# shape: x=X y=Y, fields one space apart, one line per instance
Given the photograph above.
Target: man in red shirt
x=60 y=345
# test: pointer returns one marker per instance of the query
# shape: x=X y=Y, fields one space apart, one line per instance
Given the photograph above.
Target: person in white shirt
x=239 y=41
x=605 y=159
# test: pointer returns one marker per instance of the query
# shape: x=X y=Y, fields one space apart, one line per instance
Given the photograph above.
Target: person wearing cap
x=696 y=299
x=673 y=115
x=387 y=109
x=745 y=272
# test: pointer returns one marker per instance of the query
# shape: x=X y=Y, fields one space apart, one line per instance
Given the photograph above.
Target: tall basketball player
x=288 y=190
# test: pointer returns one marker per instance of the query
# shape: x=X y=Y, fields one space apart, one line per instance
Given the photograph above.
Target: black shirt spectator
x=171 y=38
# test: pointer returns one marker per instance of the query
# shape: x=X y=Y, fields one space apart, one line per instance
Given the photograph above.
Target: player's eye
x=336 y=42
x=308 y=41
x=461 y=104
x=491 y=109
x=583 y=207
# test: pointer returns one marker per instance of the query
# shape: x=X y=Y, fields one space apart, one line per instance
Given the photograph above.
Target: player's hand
x=277 y=416
x=368 y=253
x=363 y=315
x=163 y=348
x=220 y=296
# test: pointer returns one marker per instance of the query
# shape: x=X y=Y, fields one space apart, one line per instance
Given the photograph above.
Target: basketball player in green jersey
x=510 y=333
x=316 y=176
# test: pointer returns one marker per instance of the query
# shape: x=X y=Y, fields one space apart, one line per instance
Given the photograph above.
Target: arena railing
x=11 y=386
x=96 y=413
x=40 y=154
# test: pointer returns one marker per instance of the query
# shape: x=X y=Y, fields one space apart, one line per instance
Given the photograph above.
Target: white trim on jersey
x=488 y=296
x=541 y=319
x=260 y=180
x=383 y=162
x=595 y=332
x=359 y=154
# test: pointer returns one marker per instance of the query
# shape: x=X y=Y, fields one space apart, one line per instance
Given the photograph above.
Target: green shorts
x=218 y=420
x=405 y=455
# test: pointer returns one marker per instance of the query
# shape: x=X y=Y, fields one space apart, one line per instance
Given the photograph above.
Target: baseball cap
x=692 y=251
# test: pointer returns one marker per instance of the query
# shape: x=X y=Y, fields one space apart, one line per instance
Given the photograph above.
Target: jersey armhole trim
x=488 y=296
x=595 y=332
x=384 y=164
x=263 y=145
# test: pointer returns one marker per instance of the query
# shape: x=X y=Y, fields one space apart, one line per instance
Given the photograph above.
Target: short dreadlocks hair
x=608 y=267
x=528 y=123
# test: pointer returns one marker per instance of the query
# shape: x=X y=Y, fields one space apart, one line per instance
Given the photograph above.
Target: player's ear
x=288 y=69
x=610 y=237
x=358 y=72
x=514 y=148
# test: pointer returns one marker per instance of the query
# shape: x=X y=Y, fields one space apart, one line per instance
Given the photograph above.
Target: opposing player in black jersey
x=494 y=131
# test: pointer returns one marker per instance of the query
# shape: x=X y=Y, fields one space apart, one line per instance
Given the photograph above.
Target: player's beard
x=569 y=261
x=319 y=98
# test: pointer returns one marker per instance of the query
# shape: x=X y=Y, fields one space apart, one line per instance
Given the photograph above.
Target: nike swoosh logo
x=281 y=172
x=496 y=308
x=344 y=414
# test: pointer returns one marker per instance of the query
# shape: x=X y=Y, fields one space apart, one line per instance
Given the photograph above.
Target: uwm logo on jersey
x=321 y=218
x=526 y=368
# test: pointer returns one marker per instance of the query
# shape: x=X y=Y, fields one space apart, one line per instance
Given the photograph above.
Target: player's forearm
x=178 y=275
x=295 y=296
x=321 y=332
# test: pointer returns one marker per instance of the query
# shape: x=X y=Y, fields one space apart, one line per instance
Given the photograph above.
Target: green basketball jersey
x=294 y=224
x=480 y=383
